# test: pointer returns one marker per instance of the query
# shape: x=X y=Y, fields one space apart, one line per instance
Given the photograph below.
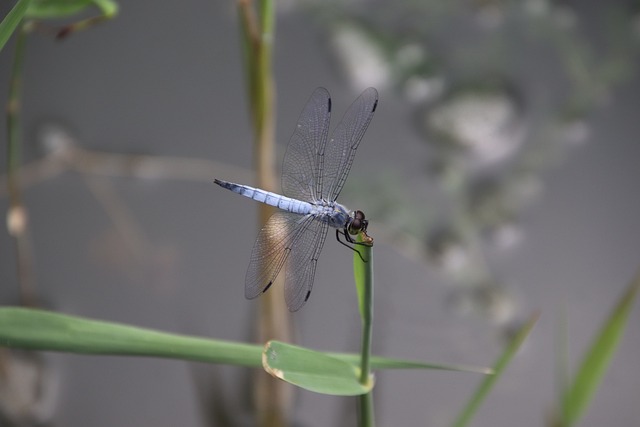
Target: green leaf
x=47 y=9
x=11 y=21
x=378 y=363
x=109 y=8
x=313 y=370
x=51 y=9
x=42 y=330
x=32 y=329
x=501 y=364
x=579 y=394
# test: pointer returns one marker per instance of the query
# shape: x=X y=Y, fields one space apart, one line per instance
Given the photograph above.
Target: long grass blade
x=32 y=329
x=501 y=364
x=596 y=360
x=11 y=21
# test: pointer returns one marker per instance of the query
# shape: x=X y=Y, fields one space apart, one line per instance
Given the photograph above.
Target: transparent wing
x=286 y=236
x=270 y=251
x=302 y=264
x=341 y=148
x=301 y=167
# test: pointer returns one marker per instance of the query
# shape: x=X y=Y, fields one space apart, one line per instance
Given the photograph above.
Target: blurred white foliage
x=506 y=235
x=537 y=8
x=488 y=300
x=55 y=139
x=574 y=132
x=487 y=124
x=418 y=89
x=363 y=61
x=27 y=389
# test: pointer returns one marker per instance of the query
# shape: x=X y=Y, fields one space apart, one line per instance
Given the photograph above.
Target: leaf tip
x=269 y=353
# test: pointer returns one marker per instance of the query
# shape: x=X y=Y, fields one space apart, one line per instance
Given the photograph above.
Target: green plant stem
x=367 y=315
x=365 y=284
x=13 y=118
x=365 y=410
x=17 y=219
x=273 y=398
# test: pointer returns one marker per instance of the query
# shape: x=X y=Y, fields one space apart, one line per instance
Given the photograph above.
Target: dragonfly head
x=357 y=223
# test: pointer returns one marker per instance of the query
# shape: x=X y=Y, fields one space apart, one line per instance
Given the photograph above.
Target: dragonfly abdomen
x=267 y=197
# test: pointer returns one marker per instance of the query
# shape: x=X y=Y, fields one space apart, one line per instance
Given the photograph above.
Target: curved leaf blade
x=501 y=364
x=313 y=370
x=32 y=329
x=54 y=9
x=380 y=362
x=11 y=21
x=579 y=394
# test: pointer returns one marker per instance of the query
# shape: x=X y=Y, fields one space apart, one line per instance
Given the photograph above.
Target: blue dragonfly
x=314 y=171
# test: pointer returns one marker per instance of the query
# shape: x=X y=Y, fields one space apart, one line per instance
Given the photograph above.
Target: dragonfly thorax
x=338 y=216
x=333 y=213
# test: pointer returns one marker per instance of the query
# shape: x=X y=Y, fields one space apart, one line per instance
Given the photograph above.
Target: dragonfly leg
x=350 y=240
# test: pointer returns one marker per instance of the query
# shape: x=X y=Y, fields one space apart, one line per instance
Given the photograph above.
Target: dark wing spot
x=375 y=105
x=329 y=105
x=267 y=288
x=307 y=296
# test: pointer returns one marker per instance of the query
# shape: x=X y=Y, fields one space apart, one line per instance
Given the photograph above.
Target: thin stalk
x=273 y=398
x=17 y=218
x=562 y=362
x=365 y=410
x=367 y=315
x=364 y=282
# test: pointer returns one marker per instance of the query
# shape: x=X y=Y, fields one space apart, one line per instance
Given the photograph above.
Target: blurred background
x=500 y=175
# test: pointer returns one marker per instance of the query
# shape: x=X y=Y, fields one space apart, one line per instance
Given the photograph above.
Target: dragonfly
x=314 y=171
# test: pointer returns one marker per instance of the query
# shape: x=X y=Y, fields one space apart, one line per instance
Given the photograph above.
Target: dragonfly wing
x=301 y=267
x=341 y=149
x=301 y=167
x=270 y=251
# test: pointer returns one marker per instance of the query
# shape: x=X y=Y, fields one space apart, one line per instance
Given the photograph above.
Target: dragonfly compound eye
x=358 y=223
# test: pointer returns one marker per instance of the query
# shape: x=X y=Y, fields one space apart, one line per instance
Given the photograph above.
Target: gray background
x=167 y=79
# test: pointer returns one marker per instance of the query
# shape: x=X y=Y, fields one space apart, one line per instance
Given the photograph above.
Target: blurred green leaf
x=501 y=364
x=108 y=7
x=51 y=9
x=313 y=370
x=43 y=330
x=11 y=21
x=596 y=360
x=48 y=9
